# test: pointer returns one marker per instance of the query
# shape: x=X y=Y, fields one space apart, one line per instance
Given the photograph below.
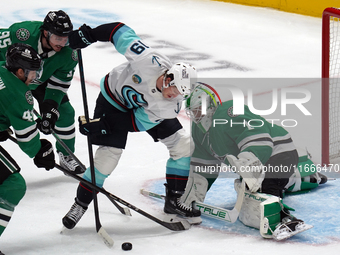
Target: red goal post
x=330 y=85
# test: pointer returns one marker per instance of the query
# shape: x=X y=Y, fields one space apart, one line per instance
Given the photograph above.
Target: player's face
x=32 y=75
x=168 y=92
x=58 y=42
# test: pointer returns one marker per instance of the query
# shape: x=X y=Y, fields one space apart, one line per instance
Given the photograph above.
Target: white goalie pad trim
x=195 y=190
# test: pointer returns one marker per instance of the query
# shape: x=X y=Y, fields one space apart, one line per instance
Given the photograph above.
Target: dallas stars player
x=49 y=38
x=249 y=150
x=16 y=105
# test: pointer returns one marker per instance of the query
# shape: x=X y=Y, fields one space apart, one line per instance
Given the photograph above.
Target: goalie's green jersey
x=58 y=67
x=232 y=134
x=16 y=106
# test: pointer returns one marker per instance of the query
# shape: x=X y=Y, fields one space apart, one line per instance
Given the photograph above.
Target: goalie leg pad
x=259 y=210
x=195 y=190
x=264 y=212
x=270 y=216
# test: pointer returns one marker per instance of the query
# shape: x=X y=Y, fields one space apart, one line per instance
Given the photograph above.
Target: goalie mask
x=201 y=105
x=180 y=74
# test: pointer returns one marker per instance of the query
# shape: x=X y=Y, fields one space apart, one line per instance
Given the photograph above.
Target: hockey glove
x=4 y=135
x=95 y=126
x=250 y=168
x=45 y=156
x=81 y=38
x=49 y=116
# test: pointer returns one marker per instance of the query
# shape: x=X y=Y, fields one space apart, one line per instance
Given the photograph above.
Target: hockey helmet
x=181 y=73
x=58 y=23
x=20 y=55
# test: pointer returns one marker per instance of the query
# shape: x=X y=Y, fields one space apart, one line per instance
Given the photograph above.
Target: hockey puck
x=127 y=246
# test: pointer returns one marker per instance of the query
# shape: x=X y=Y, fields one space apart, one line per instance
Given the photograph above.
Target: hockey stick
x=172 y=225
x=101 y=232
x=99 y=227
x=125 y=211
x=175 y=226
x=210 y=210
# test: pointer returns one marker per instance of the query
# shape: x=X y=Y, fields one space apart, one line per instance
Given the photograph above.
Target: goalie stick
x=210 y=210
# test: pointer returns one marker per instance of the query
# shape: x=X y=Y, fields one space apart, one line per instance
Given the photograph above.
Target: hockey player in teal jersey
x=143 y=94
x=16 y=111
x=252 y=147
x=49 y=39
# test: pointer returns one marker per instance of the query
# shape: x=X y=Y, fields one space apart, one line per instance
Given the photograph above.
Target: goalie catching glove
x=249 y=167
x=95 y=126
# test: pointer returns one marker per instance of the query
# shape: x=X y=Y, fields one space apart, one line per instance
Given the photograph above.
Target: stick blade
x=105 y=236
x=177 y=226
x=127 y=211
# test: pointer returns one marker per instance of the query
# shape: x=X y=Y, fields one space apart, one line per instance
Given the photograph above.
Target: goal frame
x=327 y=13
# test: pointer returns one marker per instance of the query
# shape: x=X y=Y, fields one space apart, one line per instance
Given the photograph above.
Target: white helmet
x=201 y=112
x=182 y=73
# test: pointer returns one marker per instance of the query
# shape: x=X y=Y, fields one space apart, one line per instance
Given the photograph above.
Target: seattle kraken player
x=143 y=94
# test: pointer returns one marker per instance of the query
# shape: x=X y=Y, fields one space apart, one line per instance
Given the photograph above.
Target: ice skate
x=73 y=216
x=289 y=227
x=173 y=205
x=70 y=164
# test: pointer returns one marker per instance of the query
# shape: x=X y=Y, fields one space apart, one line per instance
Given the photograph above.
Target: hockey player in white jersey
x=143 y=94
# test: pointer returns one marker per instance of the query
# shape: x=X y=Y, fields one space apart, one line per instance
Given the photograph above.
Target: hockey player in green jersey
x=251 y=150
x=50 y=39
x=16 y=106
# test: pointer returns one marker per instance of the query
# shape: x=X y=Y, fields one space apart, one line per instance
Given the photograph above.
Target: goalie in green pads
x=255 y=153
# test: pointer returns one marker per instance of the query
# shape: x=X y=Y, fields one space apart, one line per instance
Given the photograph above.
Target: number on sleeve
x=138 y=47
x=4 y=39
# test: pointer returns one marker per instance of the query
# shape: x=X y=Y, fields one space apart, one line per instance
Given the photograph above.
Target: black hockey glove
x=4 y=135
x=81 y=38
x=96 y=126
x=49 y=116
x=45 y=156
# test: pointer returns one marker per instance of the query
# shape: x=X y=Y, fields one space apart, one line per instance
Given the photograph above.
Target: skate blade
x=286 y=235
x=175 y=218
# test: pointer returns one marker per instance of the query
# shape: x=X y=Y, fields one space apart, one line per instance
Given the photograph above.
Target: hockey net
x=331 y=85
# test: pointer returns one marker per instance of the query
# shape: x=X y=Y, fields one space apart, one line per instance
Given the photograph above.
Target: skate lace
x=76 y=212
x=184 y=206
x=69 y=162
